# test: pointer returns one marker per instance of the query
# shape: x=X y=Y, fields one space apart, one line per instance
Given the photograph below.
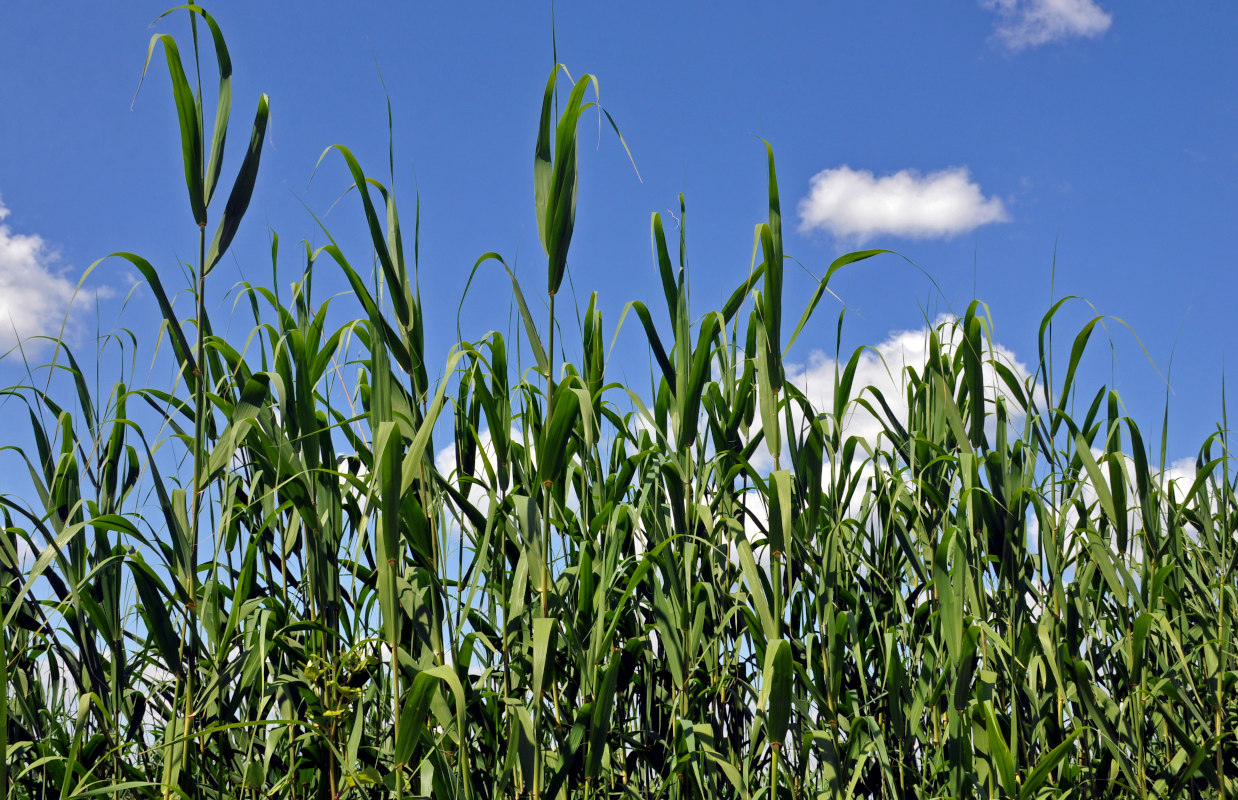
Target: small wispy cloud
x=33 y=297
x=1031 y=23
x=857 y=205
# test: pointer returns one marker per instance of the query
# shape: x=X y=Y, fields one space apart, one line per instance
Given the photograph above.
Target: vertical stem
x=545 y=546
x=4 y=710
x=1218 y=701
x=773 y=771
x=199 y=426
x=775 y=563
x=190 y=579
x=331 y=783
x=550 y=375
x=1223 y=635
x=550 y=409
x=500 y=560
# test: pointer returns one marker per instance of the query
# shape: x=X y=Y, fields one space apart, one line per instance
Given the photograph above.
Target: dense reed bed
x=256 y=580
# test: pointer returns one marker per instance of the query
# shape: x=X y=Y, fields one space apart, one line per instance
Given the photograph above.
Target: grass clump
x=259 y=583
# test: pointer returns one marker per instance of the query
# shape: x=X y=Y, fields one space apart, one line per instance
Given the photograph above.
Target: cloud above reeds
x=856 y=205
x=1023 y=24
x=884 y=368
x=33 y=296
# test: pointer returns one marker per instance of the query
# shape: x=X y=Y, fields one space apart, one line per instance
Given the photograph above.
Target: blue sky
x=975 y=138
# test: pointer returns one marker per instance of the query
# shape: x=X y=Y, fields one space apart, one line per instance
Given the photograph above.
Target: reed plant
x=256 y=580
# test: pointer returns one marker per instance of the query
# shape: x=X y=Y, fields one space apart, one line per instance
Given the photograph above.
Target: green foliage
x=261 y=584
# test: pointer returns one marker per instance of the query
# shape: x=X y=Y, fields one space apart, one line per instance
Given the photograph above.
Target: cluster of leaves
x=599 y=596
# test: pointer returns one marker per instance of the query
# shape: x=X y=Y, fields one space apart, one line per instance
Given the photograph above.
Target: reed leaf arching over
x=257 y=581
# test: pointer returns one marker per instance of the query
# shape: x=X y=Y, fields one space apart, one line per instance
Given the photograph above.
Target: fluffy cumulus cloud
x=856 y=205
x=1031 y=23
x=445 y=462
x=33 y=298
x=884 y=368
x=1179 y=475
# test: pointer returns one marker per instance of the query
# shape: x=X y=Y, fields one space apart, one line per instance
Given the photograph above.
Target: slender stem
x=550 y=373
x=544 y=586
x=190 y=579
x=199 y=419
x=4 y=710
x=773 y=767
x=550 y=410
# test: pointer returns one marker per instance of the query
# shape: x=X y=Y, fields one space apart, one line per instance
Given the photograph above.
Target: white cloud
x=857 y=205
x=1031 y=23
x=480 y=493
x=884 y=368
x=1179 y=474
x=33 y=298
x=487 y=461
